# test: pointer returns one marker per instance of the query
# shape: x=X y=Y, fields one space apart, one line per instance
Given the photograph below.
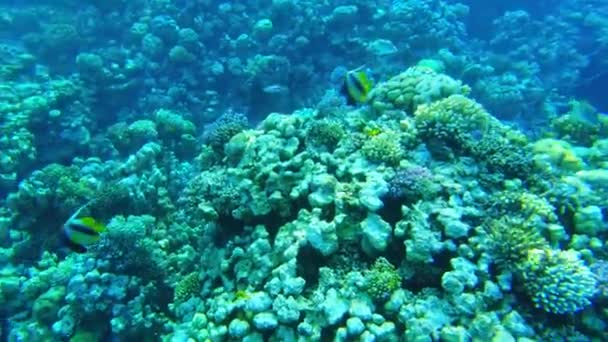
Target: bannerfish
x=356 y=86
x=78 y=233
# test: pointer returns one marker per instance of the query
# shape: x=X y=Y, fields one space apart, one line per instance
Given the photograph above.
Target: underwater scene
x=302 y=170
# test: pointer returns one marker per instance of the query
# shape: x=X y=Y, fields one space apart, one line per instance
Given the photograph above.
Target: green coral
x=45 y=308
x=382 y=280
x=128 y=138
x=172 y=125
x=417 y=85
x=505 y=153
x=383 y=148
x=558 y=281
x=581 y=125
x=54 y=188
x=325 y=132
x=180 y=55
x=558 y=155
x=176 y=131
x=516 y=201
x=187 y=287
x=218 y=190
x=83 y=335
x=129 y=248
x=511 y=239
x=455 y=120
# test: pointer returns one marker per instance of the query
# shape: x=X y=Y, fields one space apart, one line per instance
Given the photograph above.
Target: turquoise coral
x=267 y=233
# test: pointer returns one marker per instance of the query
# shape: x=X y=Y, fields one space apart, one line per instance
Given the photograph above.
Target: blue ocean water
x=298 y=170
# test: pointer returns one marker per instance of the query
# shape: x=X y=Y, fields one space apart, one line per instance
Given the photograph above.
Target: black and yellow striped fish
x=357 y=86
x=81 y=232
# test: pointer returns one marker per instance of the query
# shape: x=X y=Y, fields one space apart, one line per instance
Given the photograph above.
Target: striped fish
x=357 y=86
x=81 y=232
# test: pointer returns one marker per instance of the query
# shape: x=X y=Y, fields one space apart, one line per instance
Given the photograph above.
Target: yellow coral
x=557 y=154
x=535 y=206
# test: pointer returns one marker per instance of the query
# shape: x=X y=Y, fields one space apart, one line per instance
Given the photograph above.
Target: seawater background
x=127 y=105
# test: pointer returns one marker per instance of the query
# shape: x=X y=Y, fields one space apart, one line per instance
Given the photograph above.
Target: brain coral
x=417 y=85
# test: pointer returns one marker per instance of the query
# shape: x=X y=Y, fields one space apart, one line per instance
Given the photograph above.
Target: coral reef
x=245 y=199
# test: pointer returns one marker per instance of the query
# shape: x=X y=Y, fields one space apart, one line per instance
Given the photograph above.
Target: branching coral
x=511 y=240
x=55 y=188
x=410 y=183
x=325 y=133
x=383 y=148
x=188 y=286
x=581 y=125
x=456 y=120
x=382 y=280
x=558 y=281
x=128 y=248
x=508 y=156
x=219 y=190
x=225 y=127
x=529 y=206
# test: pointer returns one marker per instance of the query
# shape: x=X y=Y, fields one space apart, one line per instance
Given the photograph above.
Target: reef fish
x=275 y=89
x=356 y=86
x=81 y=232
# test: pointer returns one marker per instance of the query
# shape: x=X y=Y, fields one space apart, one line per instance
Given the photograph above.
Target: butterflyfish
x=79 y=233
x=356 y=86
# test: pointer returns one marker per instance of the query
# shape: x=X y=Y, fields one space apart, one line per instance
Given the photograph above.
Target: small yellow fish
x=81 y=232
x=372 y=131
x=356 y=86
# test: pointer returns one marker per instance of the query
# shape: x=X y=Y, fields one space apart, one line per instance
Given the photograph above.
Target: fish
x=356 y=86
x=275 y=89
x=78 y=233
